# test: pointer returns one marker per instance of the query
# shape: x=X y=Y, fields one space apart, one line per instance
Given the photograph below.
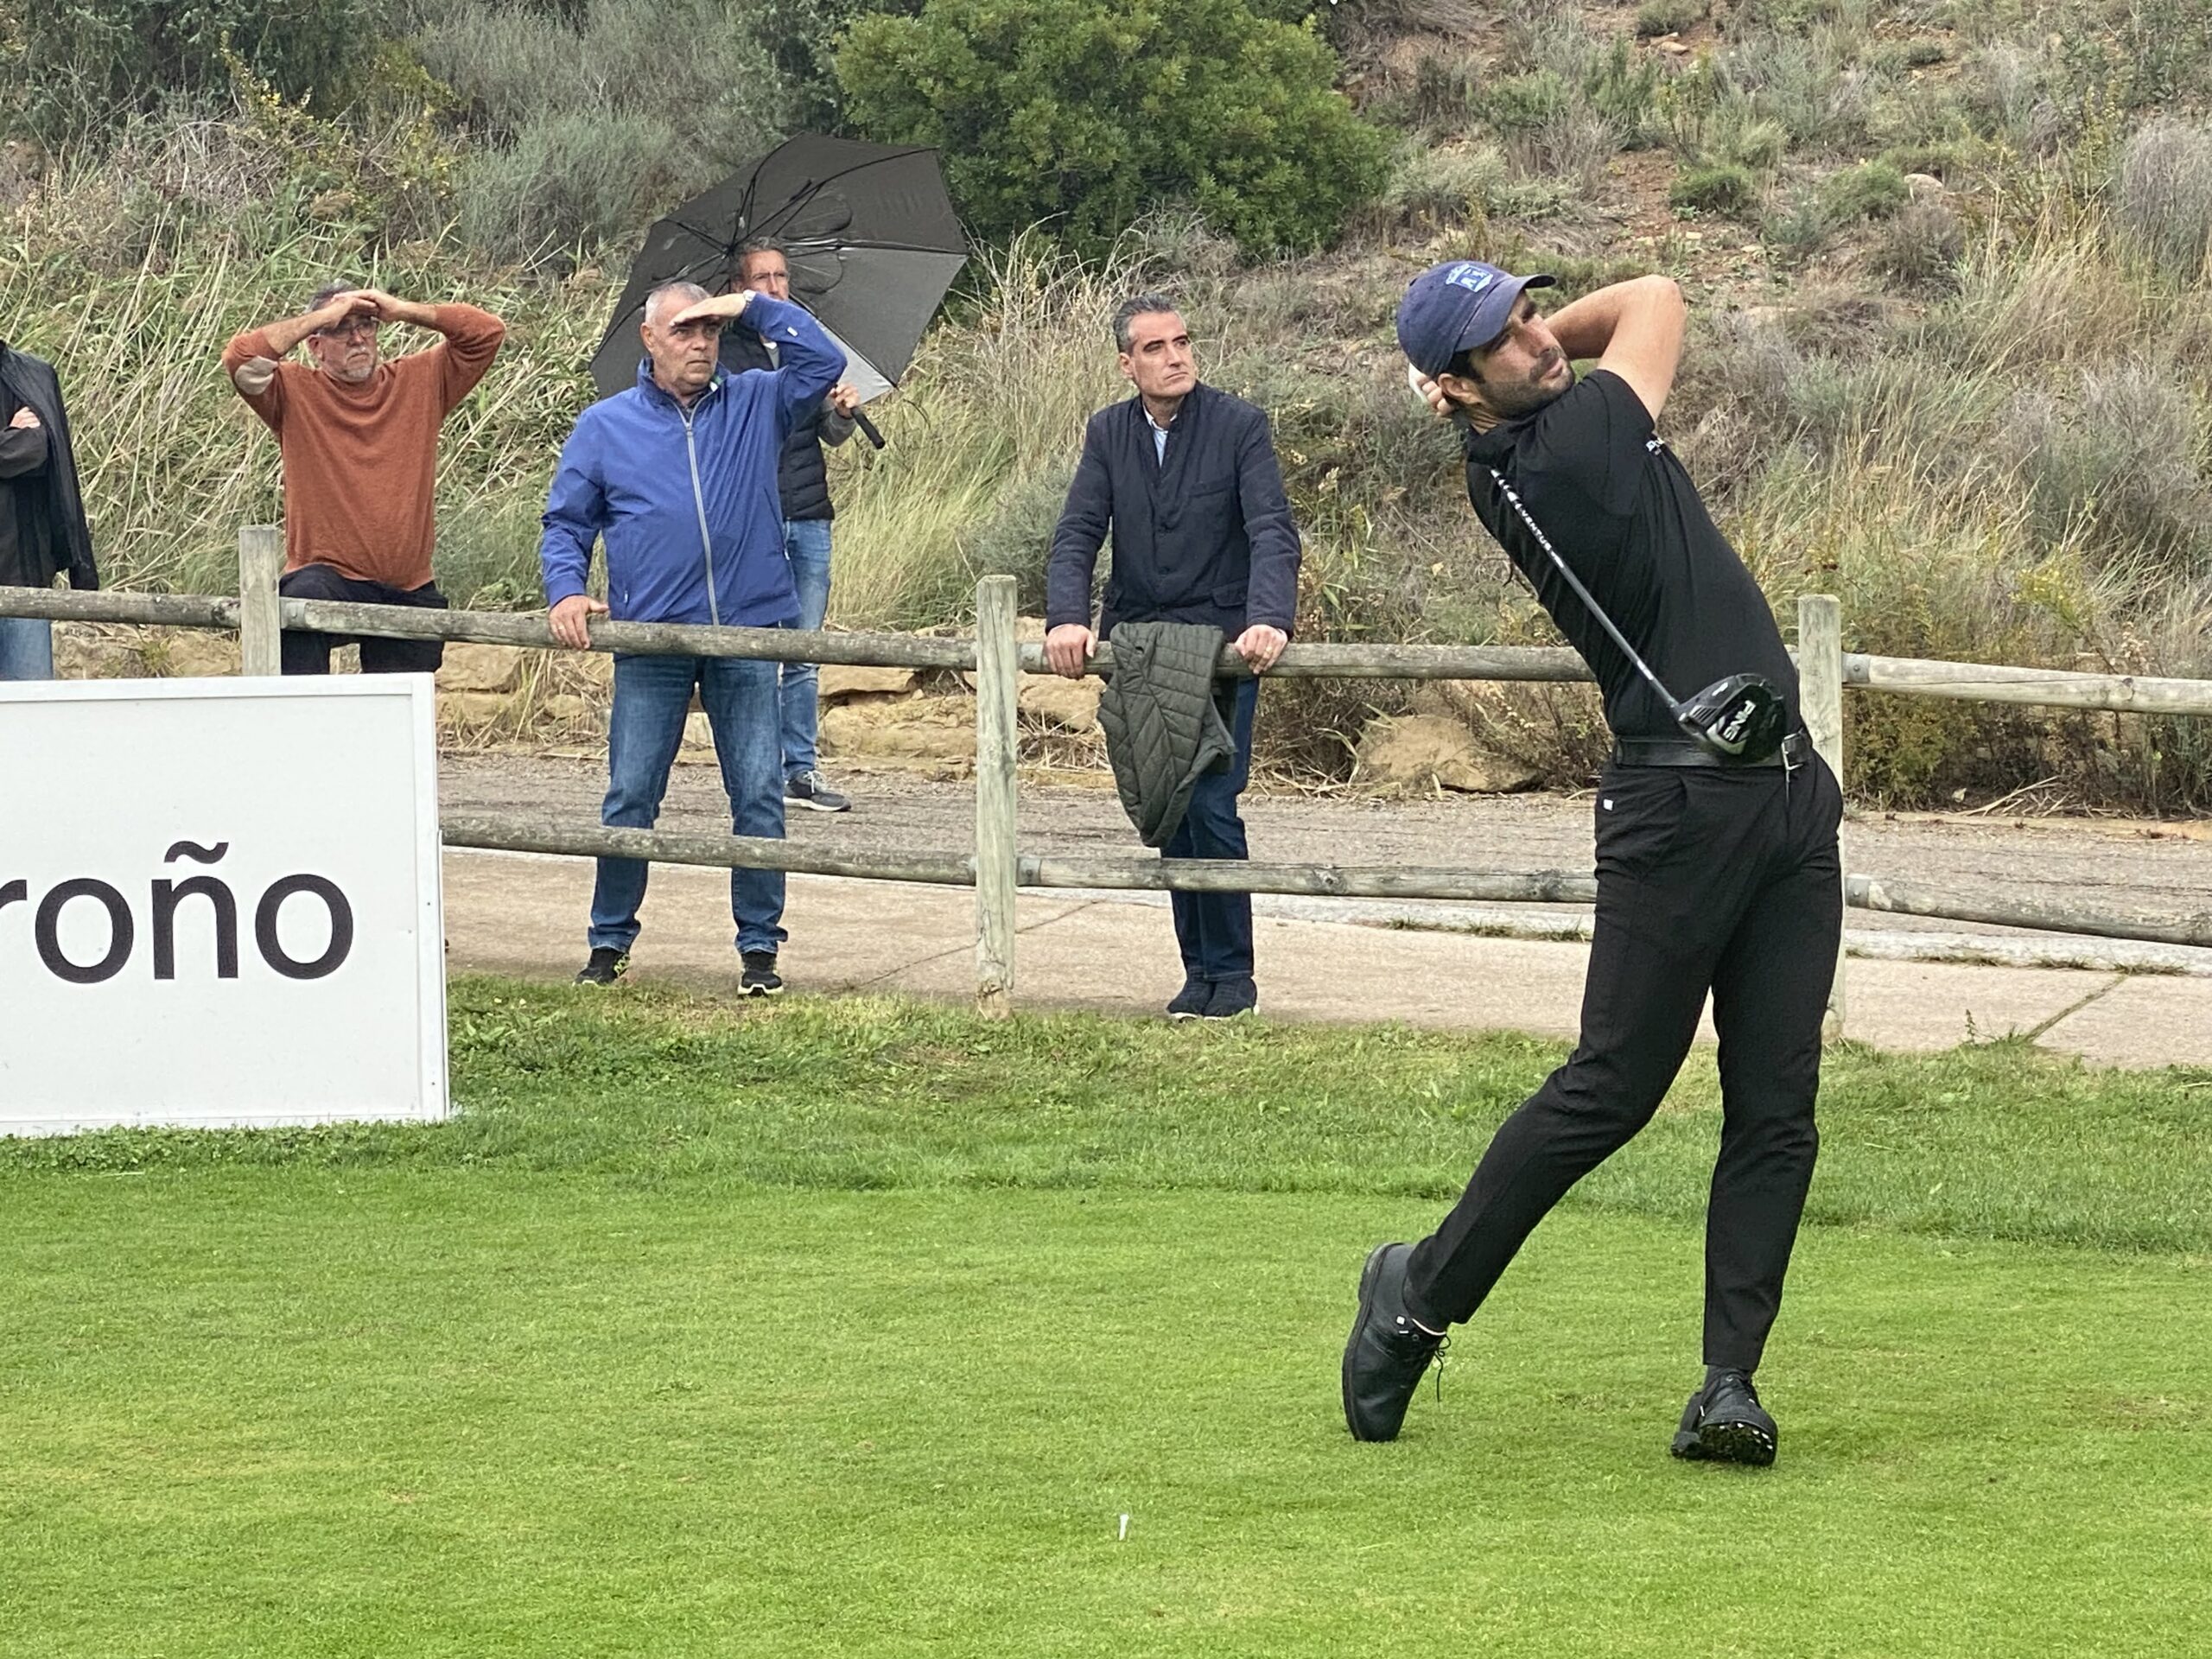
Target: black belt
x=1795 y=750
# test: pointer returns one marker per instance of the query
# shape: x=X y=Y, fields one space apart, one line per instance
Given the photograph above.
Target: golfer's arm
x=1634 y=329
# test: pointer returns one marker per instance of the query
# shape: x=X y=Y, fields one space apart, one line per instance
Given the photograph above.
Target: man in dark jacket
x=675 y=476
x=43 y=529
x=803 y=482
x=1186 y=478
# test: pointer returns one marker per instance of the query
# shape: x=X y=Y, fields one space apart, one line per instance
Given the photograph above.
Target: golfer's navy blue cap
x=1453 y=306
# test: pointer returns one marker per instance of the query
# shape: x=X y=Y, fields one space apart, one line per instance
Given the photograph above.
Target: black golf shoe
x=1387 y=1352
x=1723 y=1422
x=606 y=965
x=760 y=978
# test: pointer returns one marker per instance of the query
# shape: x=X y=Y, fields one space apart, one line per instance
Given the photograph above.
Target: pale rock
x=475 y=710
x=1924 y=186
x=921 y=728
x=839 y=683
x=194 y=654
x=1068 y=705
x=479 y=668
x=569 y=708
x=1426 y=751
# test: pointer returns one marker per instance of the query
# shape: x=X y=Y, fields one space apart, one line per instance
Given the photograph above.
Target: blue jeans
x=652 y=696
x=1215 y=929
x=806 y=543
x=26 y=648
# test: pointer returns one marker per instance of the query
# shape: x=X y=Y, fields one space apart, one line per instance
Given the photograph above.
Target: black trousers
x=1707 y=879
x=309 y=653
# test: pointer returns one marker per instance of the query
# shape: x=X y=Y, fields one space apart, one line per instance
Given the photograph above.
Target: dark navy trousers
x=1214 y=930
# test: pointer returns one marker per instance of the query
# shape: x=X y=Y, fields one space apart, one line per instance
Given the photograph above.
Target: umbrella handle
x=868 y=429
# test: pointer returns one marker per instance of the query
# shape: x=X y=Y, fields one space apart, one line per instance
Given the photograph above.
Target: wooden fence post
x=261 y=560
x=997 y=678
x=1819 y=689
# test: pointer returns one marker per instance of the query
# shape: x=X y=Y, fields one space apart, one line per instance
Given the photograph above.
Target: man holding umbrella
x=803 y=481
x=676 y=475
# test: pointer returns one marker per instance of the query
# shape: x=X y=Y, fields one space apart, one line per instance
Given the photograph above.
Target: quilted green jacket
x=1163 y=731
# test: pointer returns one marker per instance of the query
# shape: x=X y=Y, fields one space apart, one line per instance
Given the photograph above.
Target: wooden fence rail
x=997 y=868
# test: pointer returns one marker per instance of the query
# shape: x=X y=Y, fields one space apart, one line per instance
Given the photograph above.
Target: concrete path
x=524 y=915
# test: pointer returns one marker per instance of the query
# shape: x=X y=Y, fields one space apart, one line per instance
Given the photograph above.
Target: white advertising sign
x=220 y=903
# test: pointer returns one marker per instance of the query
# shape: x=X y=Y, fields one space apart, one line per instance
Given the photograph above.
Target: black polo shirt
x=1620 y=509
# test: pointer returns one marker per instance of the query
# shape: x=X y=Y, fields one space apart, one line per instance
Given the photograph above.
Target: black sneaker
x=759 y=977
x=606 y=965
x=1191 y=1001
x=1387 y=1352
x=1230 y=998
x=806 y=789
x=1723 y=1422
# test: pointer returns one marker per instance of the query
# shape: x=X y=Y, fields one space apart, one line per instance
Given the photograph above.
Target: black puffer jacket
x=802 y=476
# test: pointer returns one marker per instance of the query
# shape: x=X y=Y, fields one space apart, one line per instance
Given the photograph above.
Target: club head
x=1741 y=718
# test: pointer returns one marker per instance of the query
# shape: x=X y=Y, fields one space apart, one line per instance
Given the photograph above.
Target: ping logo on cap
x=1471 y=277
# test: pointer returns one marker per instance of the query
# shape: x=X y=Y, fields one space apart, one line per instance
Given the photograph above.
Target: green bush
x=1657 y=17
x=1717 y=188
x=94 y=63
x=1870 y=190
x=1085 y=114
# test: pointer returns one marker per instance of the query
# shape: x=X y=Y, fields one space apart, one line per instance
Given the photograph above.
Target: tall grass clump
x=2165 y=192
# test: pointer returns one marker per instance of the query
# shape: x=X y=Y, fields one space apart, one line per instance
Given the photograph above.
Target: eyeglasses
x=363 y=327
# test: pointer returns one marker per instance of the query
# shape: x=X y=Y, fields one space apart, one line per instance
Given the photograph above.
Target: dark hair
x=753 y=244
x=1463 y=365
x=1137 y=305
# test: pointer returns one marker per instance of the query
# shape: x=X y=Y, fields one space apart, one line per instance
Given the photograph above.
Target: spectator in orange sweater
x=359 y=437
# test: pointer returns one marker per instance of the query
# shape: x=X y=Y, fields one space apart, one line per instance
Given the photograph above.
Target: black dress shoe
x=1723 y=1422
x=1387 y=1352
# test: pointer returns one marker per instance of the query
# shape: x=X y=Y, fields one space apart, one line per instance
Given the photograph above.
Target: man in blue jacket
x=677 y=476
x=1185 y=478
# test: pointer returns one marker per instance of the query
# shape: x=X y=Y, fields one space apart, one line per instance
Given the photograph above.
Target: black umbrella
x=873 y=245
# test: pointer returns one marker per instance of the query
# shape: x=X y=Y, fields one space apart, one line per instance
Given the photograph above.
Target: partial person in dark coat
x=43 y=529
x=1184 y=478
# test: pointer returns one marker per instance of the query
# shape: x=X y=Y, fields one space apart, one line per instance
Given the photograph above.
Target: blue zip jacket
x=686 y=500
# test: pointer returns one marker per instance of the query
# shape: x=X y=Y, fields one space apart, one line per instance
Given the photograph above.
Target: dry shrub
x=2165 y=192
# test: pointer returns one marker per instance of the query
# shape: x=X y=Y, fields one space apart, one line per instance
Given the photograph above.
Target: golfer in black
x=1713 y=874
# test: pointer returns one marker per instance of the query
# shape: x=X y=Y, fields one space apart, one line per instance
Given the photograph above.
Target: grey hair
x=753 y=244
x=690 y=293
x=1137 y=305
x=330 y=291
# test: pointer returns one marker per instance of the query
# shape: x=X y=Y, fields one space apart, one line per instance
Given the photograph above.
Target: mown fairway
x=857 y=1327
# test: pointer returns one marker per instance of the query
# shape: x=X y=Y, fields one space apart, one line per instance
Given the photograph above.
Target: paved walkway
x=523 y=914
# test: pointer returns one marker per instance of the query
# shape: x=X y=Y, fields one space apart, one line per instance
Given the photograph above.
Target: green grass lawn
x=856 y=1327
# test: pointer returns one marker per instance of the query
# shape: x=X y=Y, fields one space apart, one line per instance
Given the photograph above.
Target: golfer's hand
x=26 y=420
x=570 y=620
x=1068 y=648
x=723 y=306
x=1429 y=391
x=1260 y=645
x=843 y=400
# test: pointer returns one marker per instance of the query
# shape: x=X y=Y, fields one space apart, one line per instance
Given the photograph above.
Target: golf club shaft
x=1588 y=599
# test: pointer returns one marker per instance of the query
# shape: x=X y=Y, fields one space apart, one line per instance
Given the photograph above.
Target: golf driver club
x=1739 y=718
